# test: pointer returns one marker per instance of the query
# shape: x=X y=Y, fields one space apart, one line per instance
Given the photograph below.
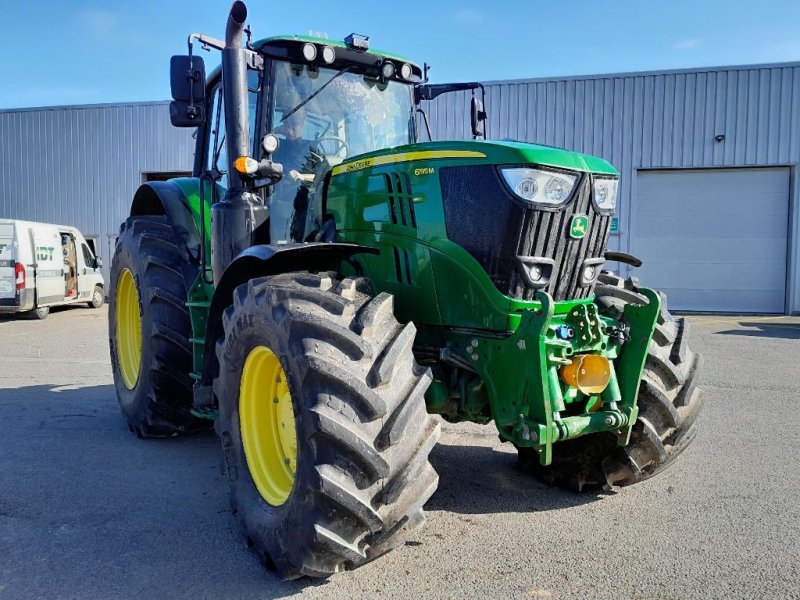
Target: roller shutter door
x=714 y=240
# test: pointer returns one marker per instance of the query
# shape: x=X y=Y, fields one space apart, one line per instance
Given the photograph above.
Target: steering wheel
x=342 y=145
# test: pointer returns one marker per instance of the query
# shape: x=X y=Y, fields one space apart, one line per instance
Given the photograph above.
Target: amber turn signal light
x=245 y=165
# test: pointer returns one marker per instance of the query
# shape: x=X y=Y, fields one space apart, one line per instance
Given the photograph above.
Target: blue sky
x=55 y=52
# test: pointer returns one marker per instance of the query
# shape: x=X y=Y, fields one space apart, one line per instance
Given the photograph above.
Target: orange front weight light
x=590 y=373
x=245 y=165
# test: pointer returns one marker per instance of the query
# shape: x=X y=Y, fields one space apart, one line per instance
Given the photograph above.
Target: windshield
x=323 y=116
x=363 y=114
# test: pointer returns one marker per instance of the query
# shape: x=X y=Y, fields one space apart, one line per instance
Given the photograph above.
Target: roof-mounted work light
x=357 y=41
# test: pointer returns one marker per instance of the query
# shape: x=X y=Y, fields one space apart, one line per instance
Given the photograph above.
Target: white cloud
x=686 y=44
x=468 y=15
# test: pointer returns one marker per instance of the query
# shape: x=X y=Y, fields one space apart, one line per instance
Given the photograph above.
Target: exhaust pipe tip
x=235 y=26
x=238 y=12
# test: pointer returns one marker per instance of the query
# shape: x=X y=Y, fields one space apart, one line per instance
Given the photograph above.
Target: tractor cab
x=312 y=103
x=324 y=103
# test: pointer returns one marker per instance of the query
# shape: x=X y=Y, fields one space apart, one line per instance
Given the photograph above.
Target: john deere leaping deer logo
x=579 y=226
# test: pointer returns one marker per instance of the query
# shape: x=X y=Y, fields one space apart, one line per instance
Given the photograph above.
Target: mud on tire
x=669 y=402
x=363 y=435
x=159 y=405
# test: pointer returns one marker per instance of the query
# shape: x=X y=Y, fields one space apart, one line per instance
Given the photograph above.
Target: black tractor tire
x=160 y=402
x=669 y=401
x=98 y=297
x=39 y=314
x=363 y=434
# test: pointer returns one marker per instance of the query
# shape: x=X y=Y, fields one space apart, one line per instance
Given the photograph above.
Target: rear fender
x=179 y=200
x=261 y=261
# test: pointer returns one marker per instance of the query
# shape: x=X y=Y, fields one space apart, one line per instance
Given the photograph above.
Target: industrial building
x=80 y=165
x=708 y=161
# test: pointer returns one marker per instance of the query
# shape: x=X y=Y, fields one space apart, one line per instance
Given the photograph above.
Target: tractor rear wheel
x=668 y=402
x=149 y=329
x=322 y=421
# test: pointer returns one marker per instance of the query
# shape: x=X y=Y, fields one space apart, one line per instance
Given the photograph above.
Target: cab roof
x=281 y=42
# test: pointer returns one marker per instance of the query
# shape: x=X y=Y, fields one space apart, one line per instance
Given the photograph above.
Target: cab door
x=48 y=258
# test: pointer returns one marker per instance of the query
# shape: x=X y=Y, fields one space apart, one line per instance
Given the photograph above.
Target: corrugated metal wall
x=651 y=120
x=81 y=165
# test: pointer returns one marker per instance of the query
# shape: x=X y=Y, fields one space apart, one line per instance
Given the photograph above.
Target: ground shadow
x=785 y=331
x=27 y=316
x=480 y=480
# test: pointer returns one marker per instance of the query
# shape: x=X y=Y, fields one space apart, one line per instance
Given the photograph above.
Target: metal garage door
x=714 y=240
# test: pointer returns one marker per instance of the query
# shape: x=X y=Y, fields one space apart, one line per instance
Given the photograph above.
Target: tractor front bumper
x=531 y=378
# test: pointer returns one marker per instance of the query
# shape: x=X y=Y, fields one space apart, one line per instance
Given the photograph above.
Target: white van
x=43 y=265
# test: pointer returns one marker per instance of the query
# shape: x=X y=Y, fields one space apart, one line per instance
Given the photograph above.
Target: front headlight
x=604 y=193
x=545 y=188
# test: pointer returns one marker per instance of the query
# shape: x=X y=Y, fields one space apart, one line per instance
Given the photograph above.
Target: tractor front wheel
x=322 y=421
x=668 y=402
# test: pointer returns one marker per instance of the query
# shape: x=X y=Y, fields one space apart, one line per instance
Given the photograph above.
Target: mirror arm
x=207 y=42
x=427 y=123
x=191 y=111
x=483 y=115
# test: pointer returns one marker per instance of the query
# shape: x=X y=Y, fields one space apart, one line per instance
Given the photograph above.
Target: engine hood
x=482 y=152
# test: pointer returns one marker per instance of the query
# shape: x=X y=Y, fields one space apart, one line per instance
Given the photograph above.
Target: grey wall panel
x=81 y=165
x=652 y=121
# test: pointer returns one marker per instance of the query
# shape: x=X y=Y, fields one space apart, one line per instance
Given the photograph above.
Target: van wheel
x=98 y=299
x=39 y=313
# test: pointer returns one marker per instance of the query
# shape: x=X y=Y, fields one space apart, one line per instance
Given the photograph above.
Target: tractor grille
x=495 y=227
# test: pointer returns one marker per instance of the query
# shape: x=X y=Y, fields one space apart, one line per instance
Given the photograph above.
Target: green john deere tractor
x=324 y=282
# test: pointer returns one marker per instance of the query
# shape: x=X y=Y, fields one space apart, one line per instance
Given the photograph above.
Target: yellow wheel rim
x=129 y=330
x=266 y=420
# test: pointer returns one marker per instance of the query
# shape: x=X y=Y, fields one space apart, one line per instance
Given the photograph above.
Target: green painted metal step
x=206 y=413
x=198 y=304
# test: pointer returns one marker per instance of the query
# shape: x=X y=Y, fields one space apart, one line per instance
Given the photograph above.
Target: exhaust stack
x=234 y=84
x=239 y=220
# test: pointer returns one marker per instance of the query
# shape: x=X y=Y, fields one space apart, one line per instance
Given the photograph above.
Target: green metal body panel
x=440 y=283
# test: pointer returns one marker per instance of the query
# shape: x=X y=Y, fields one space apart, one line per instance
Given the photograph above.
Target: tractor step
x=206 y=413
x=200 y=341
x=198 y=304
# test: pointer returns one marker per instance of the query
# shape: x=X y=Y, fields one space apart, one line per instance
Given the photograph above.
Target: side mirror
x=187 y=79
x=478 y=118
x=98 y=262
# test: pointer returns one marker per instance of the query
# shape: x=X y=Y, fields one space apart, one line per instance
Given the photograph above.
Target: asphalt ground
x=89 y=511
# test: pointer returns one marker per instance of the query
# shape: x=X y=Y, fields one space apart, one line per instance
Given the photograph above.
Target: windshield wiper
x=311 y=96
